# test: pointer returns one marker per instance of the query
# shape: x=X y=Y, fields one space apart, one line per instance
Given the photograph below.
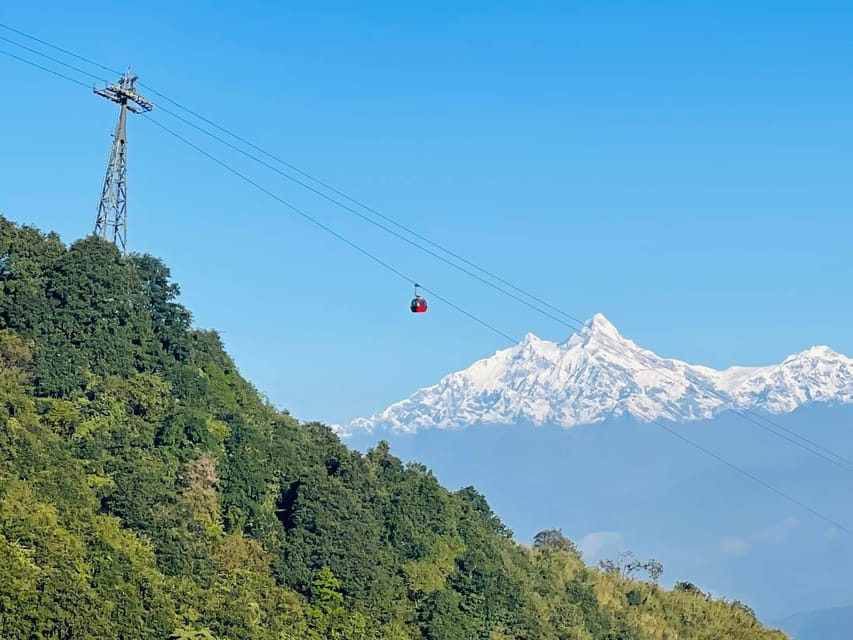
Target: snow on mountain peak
x=530 y=338
x=596 y=331
x=599 y=325
x=818 y=351
x=597 y=374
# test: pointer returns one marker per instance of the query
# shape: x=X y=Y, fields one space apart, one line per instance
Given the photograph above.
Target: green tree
x=554 y=540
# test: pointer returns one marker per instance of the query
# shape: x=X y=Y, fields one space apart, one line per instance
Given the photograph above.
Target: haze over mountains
x=599 y=374
x=824 y=624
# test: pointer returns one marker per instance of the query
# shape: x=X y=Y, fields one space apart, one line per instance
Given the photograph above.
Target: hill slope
x=598 y=374
x=146 y=491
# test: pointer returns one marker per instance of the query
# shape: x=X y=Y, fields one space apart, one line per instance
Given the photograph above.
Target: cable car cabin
x=419 y=305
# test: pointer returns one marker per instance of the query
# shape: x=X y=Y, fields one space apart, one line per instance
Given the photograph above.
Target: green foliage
x=554 y=540
x=147 y=491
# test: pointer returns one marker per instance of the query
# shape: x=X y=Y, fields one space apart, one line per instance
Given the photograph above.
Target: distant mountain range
x=598 y=374
x=825 y=624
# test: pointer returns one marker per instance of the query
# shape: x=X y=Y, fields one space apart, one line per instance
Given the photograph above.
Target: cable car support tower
x=111 y=222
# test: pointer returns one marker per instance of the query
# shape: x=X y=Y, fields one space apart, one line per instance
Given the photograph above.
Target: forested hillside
x=148 y=491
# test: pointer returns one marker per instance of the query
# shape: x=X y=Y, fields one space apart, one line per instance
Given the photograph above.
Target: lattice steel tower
x=111 y=223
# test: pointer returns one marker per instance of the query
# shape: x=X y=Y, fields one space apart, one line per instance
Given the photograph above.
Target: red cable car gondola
x=419 y=304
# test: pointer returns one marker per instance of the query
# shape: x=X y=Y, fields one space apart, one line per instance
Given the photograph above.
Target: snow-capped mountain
x=598 y=374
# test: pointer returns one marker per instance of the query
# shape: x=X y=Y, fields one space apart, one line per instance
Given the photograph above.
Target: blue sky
x=681 y=167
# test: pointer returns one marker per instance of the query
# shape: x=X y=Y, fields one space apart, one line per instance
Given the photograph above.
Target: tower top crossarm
x=124 y=93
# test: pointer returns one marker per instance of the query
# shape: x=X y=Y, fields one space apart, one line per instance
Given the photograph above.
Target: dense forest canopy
x=148 y=491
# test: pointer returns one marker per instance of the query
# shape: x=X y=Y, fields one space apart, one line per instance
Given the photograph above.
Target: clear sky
x=683 y=167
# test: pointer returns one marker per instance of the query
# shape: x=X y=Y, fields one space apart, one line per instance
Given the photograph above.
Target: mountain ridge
x=819 y=624
x=598 y=374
